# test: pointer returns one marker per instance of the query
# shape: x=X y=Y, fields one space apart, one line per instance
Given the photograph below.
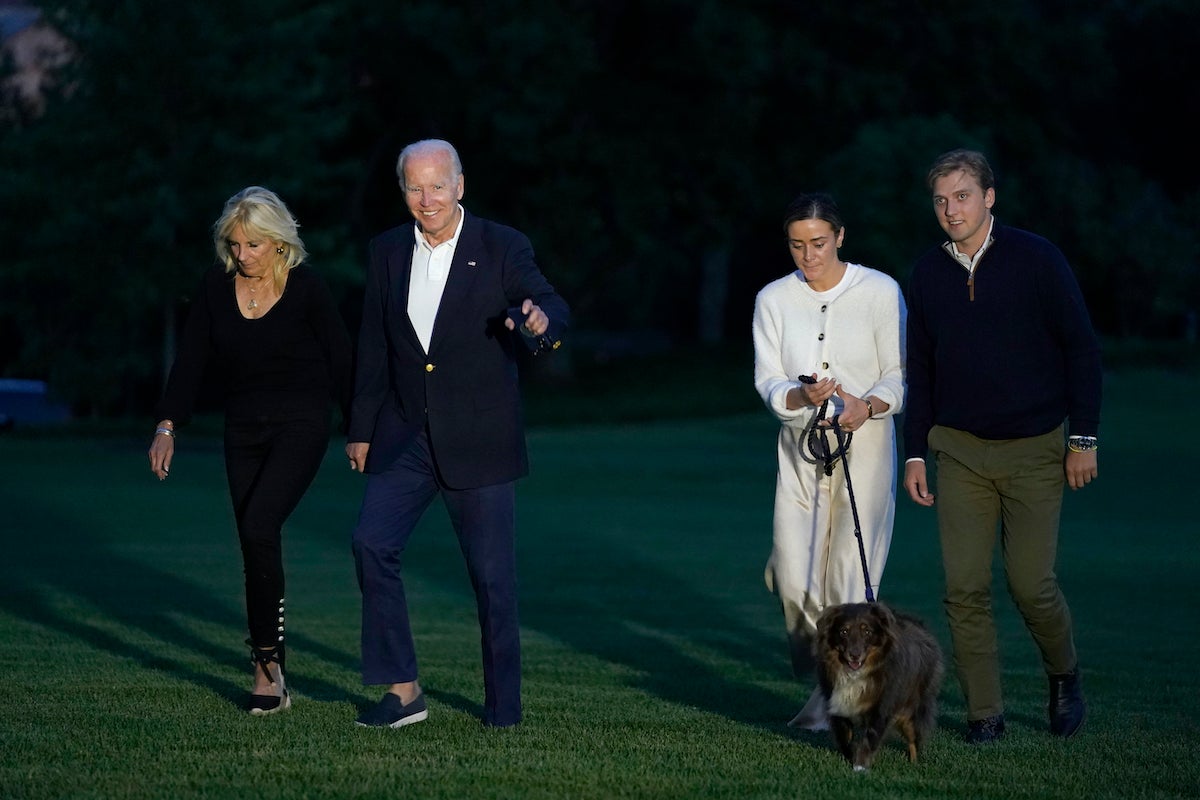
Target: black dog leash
x=818 y=448
x=862 y=551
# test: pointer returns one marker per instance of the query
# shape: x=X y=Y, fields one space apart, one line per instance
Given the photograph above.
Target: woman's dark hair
x=816 y=205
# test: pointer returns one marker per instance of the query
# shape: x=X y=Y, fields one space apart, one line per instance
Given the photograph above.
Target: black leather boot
x=986 y=730
x=1067 y=708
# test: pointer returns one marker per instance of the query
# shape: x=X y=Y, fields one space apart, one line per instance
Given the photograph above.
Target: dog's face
x=859 y=633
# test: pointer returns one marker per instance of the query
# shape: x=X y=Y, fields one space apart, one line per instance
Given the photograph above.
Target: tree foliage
x=648 y=148
x=111 y=195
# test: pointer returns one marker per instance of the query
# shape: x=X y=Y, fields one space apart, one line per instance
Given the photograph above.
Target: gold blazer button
x=429 y=367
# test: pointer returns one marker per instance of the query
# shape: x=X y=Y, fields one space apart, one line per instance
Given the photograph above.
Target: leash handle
x=825 y=456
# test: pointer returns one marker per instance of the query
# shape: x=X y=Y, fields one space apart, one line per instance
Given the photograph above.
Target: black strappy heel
x=261 y=704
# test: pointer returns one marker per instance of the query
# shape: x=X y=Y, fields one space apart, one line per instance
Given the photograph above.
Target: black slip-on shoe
x=391 y=713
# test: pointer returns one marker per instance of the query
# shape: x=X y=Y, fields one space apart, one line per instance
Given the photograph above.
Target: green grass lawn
x=655 y=663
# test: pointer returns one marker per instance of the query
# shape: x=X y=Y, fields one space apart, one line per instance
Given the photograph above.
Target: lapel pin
x=470 y=263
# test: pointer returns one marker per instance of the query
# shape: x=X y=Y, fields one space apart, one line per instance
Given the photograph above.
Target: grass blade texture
x=655 y=663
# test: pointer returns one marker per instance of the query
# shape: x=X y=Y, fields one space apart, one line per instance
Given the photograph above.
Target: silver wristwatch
x=1082 y=444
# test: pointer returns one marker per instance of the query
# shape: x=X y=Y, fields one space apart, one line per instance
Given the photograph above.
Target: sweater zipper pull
x=971 y=287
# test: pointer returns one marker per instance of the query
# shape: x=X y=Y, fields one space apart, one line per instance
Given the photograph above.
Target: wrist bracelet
x=166 y=431
x=870 y=408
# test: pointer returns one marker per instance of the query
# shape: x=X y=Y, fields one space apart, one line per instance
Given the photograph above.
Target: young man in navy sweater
x=1001 y=358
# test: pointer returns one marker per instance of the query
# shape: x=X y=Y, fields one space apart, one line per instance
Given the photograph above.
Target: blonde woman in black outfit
x=266 y=325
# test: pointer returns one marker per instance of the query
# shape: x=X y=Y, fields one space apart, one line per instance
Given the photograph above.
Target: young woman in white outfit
x=841 y=325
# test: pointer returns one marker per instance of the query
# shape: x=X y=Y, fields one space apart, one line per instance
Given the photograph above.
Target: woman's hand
x=811 y=394
x=855 y=411
x=162 y=449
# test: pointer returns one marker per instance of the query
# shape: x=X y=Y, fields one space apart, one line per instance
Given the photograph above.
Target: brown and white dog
x=878 y=670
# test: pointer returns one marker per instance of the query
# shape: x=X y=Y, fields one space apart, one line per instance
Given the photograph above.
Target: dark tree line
x=648 y=148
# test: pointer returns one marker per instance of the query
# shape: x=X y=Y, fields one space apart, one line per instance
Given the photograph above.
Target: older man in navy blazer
x=449 y=300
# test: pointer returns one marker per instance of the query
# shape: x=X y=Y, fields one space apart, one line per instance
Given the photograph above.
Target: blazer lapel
x=464 y=267
x=399 y=275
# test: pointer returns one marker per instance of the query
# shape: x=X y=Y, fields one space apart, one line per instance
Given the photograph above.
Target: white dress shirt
x=430 y=268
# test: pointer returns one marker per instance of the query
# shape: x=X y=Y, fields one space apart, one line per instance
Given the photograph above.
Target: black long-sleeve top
x=1013 y=360
x=293 y=359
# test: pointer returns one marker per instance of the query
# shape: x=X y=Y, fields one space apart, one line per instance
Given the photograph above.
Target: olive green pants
x=1015 y=485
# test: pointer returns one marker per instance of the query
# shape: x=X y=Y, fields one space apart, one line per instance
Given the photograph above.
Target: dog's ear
x=885 y=620
x=883 y=614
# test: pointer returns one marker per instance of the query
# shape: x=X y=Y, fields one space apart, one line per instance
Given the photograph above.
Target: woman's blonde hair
x=261 y=214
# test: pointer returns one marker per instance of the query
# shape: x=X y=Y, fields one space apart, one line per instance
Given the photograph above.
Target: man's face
x=431 y=192
x=963 y=209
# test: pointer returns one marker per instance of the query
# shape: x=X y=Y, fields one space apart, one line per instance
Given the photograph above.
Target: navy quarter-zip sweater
x=1012 y=362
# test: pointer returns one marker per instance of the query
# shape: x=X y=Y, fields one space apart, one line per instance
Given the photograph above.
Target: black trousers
x=270 y=462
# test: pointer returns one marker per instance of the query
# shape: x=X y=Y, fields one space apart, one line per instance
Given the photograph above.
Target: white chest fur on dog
x=848 y=698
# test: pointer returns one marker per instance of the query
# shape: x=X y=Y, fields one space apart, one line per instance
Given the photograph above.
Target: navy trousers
x=485 y=523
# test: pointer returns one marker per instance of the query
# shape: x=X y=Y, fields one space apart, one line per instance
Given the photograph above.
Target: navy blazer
x=466 y=387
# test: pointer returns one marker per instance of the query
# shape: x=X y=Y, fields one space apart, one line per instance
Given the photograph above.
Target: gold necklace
x=253 y=304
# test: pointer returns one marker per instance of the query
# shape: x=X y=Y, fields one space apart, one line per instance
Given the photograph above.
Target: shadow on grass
x=666 y=636
x=593 y=574
x=590 y=580
x=68 y=577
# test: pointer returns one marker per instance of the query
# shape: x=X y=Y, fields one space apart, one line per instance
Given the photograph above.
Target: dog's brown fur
x=878 y=670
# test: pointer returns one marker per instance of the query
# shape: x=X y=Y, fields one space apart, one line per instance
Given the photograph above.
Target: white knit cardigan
x=853 y=333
